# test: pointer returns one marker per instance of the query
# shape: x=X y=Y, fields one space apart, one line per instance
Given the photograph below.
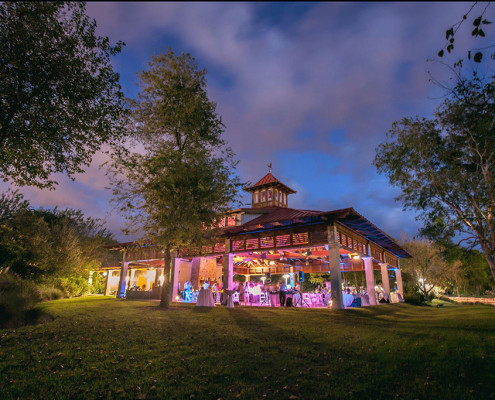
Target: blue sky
x=311 y=87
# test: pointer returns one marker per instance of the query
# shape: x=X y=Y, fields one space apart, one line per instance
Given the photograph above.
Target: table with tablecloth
x=205 y=298
x=274 y=299
x=230 y=300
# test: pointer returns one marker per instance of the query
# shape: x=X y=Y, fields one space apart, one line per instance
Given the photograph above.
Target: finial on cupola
x=270 y=166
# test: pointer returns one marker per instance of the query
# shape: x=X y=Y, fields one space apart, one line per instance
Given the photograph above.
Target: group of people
x=188 y=288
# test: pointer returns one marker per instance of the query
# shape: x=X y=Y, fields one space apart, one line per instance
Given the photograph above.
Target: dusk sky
x=311 y=87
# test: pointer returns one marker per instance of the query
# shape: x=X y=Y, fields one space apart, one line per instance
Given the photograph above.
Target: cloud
x=312 y=87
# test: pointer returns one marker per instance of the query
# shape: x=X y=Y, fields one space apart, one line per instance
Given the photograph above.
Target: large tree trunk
x=165 y=301
x=489 y=253
x=490 y=258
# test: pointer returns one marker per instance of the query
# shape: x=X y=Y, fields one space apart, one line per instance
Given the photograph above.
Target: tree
x=479 y=23
x=427 y=265
x=472 y=277
x=60 y=99
x=50 y=247
x=185 y=179
x=445 y=166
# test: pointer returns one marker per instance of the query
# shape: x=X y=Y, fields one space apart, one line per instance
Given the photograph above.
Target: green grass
x=106 y=348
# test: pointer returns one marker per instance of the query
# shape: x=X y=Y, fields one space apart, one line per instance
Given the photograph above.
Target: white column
x=400 y=287
x=123 y=280
x=149 y=278
x=385 y=279
x=107 y=280
x=159 y=271
x=334 y=268
x=90 y=279
x=132 y=276
x=370 y=279
x=174 y=278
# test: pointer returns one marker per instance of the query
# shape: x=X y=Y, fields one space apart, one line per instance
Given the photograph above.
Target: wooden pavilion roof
x=280 y=217
x=267 y=180
x=277 y=218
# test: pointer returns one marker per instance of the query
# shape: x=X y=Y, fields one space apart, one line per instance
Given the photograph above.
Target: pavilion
x=269 y=238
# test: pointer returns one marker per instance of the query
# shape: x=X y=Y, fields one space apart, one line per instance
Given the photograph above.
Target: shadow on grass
x=202 y=310
x=34 y=316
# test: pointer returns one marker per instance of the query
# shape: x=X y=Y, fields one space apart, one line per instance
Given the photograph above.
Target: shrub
x=98 y=284
x=72 y=286
x=18 y=299
x=48 y=293
x=412 y=296
x=239 y=278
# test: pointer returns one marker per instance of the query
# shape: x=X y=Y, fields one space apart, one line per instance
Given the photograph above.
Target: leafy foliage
x=60 y=99
x=427 y=267
x=17 y=300
x=478 y=24
x=50 y=246
x=98 y=284
x=184 y=181
x=445 y=166
x=472 y=275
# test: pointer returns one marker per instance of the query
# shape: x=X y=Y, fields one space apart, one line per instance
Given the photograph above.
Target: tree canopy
x=185 y=179
x=445 y=166
x=60 y=99
x=49 y=246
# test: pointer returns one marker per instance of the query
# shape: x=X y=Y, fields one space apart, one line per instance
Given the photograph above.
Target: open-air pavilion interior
x=266 y=241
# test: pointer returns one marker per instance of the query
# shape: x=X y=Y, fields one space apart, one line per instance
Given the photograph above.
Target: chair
x=235 y=297
x=194 y=297
x=306 y=299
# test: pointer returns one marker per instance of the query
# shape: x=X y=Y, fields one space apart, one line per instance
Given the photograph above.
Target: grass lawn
x=99 y=347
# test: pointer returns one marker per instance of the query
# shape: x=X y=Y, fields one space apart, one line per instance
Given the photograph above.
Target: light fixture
x=272 y=262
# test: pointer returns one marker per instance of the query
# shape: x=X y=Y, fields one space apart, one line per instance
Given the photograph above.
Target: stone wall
x=484 y=300
x=209 y=270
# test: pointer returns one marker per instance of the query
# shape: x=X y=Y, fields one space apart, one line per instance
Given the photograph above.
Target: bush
x=239 y=278
x=98 y=284
x=412 y=296
x=72 y=286
x=48 y=293
x=18 y=299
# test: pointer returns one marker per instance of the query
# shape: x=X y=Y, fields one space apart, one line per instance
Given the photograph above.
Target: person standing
x=282 y=288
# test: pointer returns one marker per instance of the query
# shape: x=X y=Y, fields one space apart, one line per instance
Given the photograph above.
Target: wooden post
x=228 y=270
x=334 y=268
